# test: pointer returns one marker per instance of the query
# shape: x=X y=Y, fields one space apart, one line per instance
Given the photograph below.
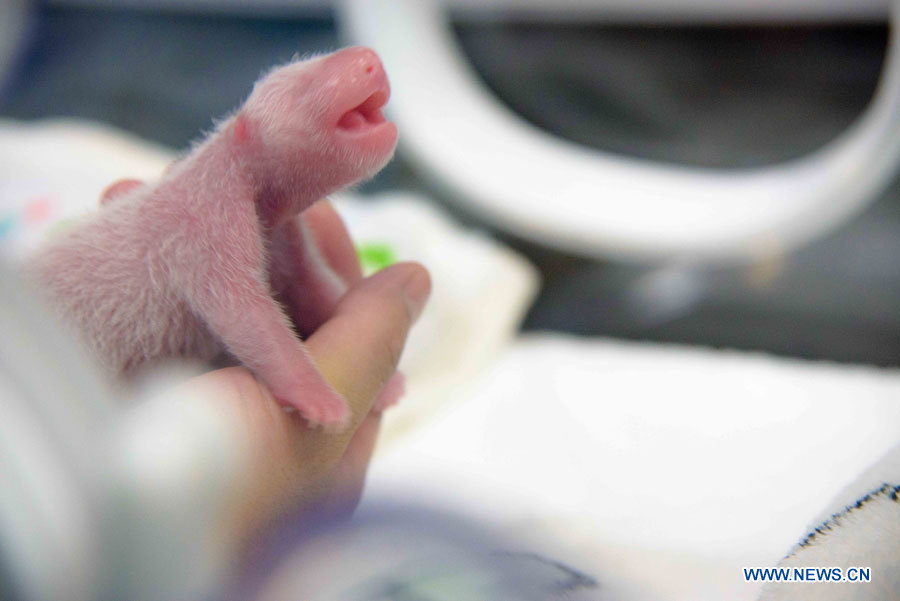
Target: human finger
x=118 y=188
x=313 y=264
x=357 y=350
x=333 y=240
x=349 y=476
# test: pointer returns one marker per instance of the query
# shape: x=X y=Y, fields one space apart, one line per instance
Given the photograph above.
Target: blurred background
x=662 y=468
x=732 y=87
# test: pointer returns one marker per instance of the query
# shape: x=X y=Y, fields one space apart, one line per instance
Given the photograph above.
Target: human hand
x=357 y=350
x=290 y=467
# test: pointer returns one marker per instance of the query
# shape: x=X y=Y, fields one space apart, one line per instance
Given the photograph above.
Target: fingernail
x=416 y=290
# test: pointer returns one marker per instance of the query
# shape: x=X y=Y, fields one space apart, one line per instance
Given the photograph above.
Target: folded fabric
x=665 y=468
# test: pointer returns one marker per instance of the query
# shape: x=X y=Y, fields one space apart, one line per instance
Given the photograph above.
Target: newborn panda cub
x=212 y=257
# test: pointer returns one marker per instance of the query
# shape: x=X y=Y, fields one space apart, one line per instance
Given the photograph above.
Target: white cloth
x=662 y=470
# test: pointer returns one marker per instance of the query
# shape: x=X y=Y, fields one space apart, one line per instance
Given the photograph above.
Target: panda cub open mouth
x=365 y=115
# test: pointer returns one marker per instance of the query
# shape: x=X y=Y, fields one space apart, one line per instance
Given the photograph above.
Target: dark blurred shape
x=7 y=591
x=712 y=96
x=720 y=97
x=402 y=552
x=162 y=76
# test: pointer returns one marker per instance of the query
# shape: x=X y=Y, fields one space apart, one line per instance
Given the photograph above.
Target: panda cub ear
x=241 y=128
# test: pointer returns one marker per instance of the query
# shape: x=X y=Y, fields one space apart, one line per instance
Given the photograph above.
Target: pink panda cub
x=211 y=257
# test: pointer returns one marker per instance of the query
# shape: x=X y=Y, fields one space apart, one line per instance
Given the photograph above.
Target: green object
x=375 y=256
x=61 y=225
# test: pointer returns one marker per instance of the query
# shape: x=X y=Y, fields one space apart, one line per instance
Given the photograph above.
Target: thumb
x=357 y=350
